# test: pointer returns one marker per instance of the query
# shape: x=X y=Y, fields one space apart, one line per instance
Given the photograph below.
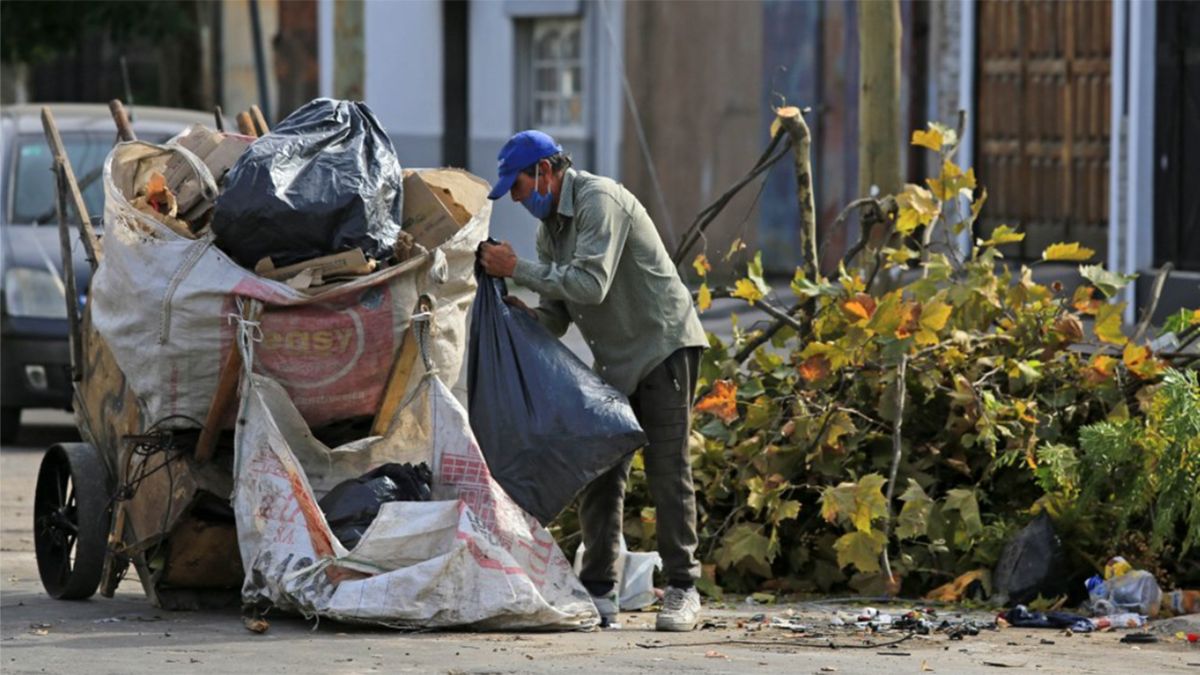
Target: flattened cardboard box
x=437 y=202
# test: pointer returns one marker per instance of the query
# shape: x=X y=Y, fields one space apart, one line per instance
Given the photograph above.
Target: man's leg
x=601 y=509
x=663 y=406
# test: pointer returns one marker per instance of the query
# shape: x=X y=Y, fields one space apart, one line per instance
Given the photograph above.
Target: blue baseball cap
x=521 y=152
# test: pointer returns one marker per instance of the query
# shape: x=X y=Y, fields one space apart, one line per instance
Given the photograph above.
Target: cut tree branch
x=710 y=212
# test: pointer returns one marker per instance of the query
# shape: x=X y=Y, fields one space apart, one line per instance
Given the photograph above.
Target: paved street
x=126 y=634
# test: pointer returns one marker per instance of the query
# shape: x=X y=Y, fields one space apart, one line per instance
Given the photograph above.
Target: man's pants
x=662 y=403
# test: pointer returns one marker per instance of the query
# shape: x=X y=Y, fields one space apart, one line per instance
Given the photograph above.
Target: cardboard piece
x=437 y=202
x=219 y=151
x=346 y=263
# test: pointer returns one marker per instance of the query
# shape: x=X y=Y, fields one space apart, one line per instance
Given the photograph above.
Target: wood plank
x=393 y=394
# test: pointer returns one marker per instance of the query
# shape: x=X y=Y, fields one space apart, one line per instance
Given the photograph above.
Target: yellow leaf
x=920 y=200
x=925 y=337
x=721 y=401
x=1141 y=362
x=837 y=356
x=1108 y=324
x=934 y=315
x=952 y=180
x=860 y=549
x=700 y=264
x=977 y=206
x=1072 y=252
x=900 y=255
x=908 y=221
x=931 y=139
x=747 y=290
x=1003 y=235
x=736 y=246
x=704 y=298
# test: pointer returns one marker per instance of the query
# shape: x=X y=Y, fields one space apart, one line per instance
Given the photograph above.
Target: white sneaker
x=608 y=607
x=680 y=611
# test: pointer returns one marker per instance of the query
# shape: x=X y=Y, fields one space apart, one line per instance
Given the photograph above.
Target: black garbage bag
x=352 y=504
x=545 y=422
x=1031 y=564
x=325 y=180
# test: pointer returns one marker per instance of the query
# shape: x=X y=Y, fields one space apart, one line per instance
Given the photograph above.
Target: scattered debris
x=1124 y=589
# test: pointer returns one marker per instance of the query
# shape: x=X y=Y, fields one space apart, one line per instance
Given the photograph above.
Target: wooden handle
x=91 y=243
x=219 y=117
x=246 y=125
x=259 y=121
x=121 y=118
x=223 y=400
x=402 y=369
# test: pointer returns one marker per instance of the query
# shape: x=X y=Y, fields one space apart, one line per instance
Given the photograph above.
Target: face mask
x=538 y=204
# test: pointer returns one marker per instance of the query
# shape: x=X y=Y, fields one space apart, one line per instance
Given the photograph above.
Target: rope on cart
x=249 y=330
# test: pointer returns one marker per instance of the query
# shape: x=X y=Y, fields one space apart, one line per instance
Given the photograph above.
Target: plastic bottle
x=1177 y=603
x=1131 y=590
x=1123 y=620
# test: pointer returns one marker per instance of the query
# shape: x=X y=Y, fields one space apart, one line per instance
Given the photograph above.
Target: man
x=602 y=265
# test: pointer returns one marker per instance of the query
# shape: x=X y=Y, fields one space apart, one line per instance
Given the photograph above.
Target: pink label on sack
x=332 y=358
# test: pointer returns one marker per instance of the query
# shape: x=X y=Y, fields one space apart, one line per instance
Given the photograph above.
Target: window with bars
x=551 y=74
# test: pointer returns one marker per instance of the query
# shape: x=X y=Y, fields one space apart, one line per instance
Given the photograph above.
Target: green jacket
x=602 y=265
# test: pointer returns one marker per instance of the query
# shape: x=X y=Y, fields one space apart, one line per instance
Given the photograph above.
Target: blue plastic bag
x=545 y=422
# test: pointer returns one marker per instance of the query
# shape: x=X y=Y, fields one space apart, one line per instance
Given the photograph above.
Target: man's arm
x=601 y=229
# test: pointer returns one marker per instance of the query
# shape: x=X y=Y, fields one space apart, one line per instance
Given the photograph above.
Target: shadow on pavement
x=38 y=437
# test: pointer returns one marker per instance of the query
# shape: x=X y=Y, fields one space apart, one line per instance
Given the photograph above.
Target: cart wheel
x=71 y=517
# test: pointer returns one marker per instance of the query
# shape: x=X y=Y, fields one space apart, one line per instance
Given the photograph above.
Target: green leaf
x=805 y=288
x=857 y=503
x=1180 y=321
x=1109 y=283
x=860 y=549
x=964 y=501
x=914 y=516
x=887 y=316
x=745 y=544
x=787 y=509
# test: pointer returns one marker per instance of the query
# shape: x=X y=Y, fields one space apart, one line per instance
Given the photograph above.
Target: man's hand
x=514 y=301
x=498 y=260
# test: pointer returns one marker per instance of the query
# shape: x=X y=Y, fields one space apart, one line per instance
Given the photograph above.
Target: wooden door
x=1042 y=136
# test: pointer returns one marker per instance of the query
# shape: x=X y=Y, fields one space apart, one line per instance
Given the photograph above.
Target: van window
x=33 y=188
